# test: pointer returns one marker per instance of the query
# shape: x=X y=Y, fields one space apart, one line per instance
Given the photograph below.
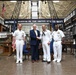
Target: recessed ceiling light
x=13 y=1
x=55 y=1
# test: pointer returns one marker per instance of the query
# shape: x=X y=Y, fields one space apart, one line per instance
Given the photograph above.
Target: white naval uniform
x=46 y=48
x=57 y=46
x=19 y=36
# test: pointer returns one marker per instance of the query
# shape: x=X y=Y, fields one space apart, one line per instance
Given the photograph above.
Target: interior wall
x=28 y=26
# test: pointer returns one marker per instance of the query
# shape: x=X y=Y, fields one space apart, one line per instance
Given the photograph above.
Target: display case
x=68 y=41
x=5 y=43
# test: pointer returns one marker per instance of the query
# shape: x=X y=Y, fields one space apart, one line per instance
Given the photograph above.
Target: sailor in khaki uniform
x=19 y=36
x=57 y=45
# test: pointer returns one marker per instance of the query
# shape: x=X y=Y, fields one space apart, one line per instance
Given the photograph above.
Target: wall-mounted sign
x=12 y=21
x=73 y=13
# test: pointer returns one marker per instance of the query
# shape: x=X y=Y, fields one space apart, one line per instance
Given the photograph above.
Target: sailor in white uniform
x=58 y=36
x=46 y=38
x=19 y=36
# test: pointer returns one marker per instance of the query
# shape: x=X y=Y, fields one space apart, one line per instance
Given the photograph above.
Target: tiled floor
x=66 y=67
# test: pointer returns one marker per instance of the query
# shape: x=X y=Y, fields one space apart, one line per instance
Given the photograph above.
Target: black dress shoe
x=37 y=60
x=33 y=61
x=48 y=62
x=43 y=61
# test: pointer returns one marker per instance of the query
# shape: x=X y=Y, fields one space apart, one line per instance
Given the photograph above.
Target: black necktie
x=43 y=34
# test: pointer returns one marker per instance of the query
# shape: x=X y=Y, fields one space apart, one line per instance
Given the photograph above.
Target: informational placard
x=3 y=35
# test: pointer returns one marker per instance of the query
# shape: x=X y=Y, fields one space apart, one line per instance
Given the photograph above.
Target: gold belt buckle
x=55 y=41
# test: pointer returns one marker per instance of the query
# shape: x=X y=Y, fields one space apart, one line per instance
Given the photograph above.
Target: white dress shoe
x=17 y=61
x=58 y=60
x=21 y=61
x=54 y=60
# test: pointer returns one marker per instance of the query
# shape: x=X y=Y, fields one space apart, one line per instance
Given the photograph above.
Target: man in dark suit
x=34 y=42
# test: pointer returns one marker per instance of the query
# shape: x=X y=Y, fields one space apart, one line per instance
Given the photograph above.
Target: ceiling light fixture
x=13 y=1
x=45 y=2
x=55 y=1
x=23 y=2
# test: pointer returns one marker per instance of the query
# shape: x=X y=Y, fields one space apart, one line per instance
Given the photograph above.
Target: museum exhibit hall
x=37 y=37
